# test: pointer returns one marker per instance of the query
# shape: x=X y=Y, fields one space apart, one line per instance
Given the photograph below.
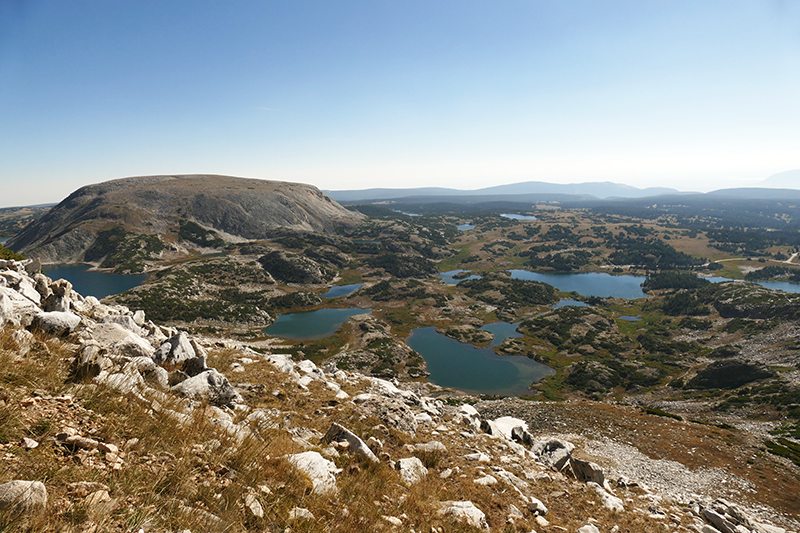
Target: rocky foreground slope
x=126 y=221
x=109 y=422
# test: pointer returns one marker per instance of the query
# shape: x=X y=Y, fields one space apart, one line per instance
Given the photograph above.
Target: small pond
x=311 y=325
x=406 y=214
x=342 y=290
x=630 y=318
x=477 y=370
x=451 y=276
x=501 y=332
x=465 y=227
x=519 y=217
x=589 y=283
x=568 y=302
x=93 y=283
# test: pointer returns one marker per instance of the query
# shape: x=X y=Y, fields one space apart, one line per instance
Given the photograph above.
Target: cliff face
x=220 y=208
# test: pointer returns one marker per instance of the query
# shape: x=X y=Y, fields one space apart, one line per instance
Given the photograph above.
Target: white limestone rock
x=431 y=447
x=464 y=511
x=56 y=322
x=356 y=446
x=554 y=453
x=209 y=385
x=118 y=340
x=320 y=470
x=411 y=470
x=608 y=500
x=29 y=497
x=176 y=349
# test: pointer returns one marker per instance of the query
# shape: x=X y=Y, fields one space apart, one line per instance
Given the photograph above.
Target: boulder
x=57 y=296
x=554 y=453
x=433 y=446
x=209 y=385
x=356 y=446
x=127 y=381
x=15 y=309
x=320 y=470
x=391 y=411
x=536 y=506
x=300 y=513
x=176 y=349
x=608 y=500
x=252 y=506
x=589 y=528
x=116 y=339
x=504 y=426
x=520 y=434
x=464 y=511
x=56 y=322
x=195 y=365
x=126 y=321
x=411 y=470
x=588 y=471
x=89 y=363
x=29 y=497
x=719 y=521
x=470 y=416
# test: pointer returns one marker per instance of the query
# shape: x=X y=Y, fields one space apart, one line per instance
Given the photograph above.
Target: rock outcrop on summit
x=149 y=217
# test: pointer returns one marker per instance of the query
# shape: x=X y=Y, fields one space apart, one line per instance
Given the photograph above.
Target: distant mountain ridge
x=589 y=190
x=785 y=180
x=148 y=216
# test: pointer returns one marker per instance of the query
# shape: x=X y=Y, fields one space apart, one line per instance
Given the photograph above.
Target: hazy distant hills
x=169 y=214
x=536 y=190
x=788 y=180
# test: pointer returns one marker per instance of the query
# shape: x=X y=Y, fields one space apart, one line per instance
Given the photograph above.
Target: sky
x=384 y=93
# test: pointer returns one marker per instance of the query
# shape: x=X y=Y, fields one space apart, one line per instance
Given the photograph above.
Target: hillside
x=109 y=422
x=127 y=222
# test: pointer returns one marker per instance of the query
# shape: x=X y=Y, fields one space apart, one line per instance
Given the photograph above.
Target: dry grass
x=196 y=476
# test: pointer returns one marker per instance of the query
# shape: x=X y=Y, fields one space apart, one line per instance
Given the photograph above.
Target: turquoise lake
x=93 y=283
x=477 y=370
x=311 y=325
x=342 y=290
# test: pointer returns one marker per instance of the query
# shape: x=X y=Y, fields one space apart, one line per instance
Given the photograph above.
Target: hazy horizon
x=355 y=95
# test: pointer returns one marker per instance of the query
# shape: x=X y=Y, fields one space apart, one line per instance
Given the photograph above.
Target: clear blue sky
x=354 y=94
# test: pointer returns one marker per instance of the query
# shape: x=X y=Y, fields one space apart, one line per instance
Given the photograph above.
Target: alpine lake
x=451 y=363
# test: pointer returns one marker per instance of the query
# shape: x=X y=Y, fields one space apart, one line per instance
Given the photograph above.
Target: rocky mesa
x=127 y=222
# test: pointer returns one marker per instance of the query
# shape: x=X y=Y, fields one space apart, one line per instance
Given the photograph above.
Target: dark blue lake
x=93 y=283
x=568 y=302
x=311 y=325
x=478 y=370
x=589 y=284
x=784 y=286
x=342 y=290
x=501 y=332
